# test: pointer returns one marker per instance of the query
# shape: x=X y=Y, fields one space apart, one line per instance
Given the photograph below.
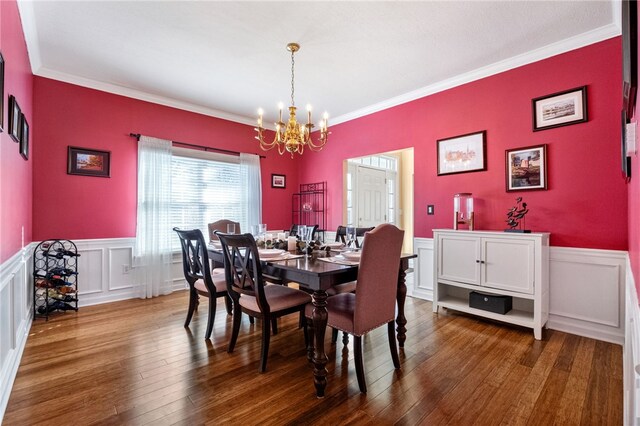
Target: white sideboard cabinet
x=497 y=263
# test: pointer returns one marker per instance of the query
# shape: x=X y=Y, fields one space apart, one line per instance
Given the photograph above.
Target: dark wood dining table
x=319 y=276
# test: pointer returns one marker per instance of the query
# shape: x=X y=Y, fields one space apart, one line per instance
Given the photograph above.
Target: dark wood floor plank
x=133 y=363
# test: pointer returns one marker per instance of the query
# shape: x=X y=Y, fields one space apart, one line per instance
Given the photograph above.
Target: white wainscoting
x=587 y=292
x=423 y=271
x=586 y=289
x=106 y=273
x=16 y=305
x=631 y=354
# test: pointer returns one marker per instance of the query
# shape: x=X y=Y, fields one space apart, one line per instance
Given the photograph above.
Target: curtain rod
x=206 y=148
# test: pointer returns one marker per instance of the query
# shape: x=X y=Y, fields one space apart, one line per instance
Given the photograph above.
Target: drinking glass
x=302 y=232
x=255 y=231
x=262 y=229
x=351 y=236
x=231 y=228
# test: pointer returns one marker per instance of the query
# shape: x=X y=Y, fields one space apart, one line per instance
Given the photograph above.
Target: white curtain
x=251 y=188
x=152 y=256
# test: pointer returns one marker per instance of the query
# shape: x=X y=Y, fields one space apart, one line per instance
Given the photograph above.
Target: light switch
x=430 y=209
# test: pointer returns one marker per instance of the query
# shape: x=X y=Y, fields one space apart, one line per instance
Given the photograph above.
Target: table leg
x=319 y=317
x=401 y=296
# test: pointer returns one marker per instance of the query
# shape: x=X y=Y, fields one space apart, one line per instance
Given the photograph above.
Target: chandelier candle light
x=293 y=137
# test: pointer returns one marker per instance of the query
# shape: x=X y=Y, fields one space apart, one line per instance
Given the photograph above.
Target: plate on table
x=269 y=253
x=353 y=256
x=334 y=245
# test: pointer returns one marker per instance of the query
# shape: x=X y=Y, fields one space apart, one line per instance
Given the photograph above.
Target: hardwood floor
x=132 y=362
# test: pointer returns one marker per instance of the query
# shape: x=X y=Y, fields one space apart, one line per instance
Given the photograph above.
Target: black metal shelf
x=55 y=277
x=308 y=206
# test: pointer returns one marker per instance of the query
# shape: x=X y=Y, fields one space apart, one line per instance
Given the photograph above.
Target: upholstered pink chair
x=374 y=303
x=195 y=262
x=250 y=293
x=220 y=226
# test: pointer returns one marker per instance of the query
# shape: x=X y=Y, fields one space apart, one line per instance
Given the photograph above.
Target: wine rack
x=55 y=277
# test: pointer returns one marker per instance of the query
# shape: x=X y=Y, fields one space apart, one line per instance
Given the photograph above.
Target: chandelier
x=292 y=136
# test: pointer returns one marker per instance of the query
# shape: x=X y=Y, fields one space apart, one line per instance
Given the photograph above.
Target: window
x=205 y=187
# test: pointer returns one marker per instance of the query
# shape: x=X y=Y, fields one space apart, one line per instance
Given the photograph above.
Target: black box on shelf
x=490 y=302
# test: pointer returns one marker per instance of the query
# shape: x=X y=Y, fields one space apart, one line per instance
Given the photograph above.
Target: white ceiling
x=226 y=59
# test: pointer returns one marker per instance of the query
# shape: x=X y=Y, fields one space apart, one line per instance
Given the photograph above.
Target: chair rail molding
x=587 y=289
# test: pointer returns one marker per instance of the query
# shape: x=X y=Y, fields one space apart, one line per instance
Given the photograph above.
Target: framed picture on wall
x=14 y=119
x=462 y=154
x=1 y=92
x=24 y=138
x=560 y=109
x=278 y=181
x=88 y=162
x=526 y=168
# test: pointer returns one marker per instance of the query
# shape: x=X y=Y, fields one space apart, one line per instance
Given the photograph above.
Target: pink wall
x=634 y=206
x=15 y=172
x=586 y=201
x=79 y=207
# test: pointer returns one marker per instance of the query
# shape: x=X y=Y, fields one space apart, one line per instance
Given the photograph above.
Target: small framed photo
x=88 y=162
x=1 y=92
x=15 y=113
x=278 y=181
x=526 y=168
x=462 y=154
x=560 y=109
x=24 y=138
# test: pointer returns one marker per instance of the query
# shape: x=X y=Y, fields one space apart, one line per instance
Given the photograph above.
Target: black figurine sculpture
x=515 y=217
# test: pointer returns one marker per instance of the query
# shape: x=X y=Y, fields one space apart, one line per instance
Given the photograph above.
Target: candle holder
x=463 y=210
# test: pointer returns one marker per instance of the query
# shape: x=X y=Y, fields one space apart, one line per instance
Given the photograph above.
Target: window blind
x=203 y=191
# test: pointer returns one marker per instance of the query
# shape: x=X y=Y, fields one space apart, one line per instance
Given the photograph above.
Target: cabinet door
x=508 y=264
x=459 y=258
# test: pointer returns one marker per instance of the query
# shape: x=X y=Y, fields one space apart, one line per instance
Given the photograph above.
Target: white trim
x=142 y=96
x=15 y=271
x=423 y=277
x=572 y=43
x=571 y=318
x=631 y=352
x=590 y=37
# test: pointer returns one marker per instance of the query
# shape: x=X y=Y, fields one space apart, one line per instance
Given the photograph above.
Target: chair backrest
x=341 y=234
x=378 y=278
x=195 y=258
x=242 y=268
x=221 y=225
x=294 y=231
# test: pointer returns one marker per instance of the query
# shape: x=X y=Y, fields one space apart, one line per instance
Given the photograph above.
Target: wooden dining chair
x=250 y=294
x=374 y=304
x=341 y=234
x=195 y=263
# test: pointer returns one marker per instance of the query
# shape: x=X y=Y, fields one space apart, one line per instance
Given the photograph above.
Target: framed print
x=526 y=168
x=88 y=162
x=14 y=119
x=1 y=92
x=24 y=138
x=560 y=109
x=626 y=159
x=278 y=181
x=462 y=154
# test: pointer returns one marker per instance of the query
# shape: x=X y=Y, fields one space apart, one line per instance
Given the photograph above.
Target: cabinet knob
x=479 y=261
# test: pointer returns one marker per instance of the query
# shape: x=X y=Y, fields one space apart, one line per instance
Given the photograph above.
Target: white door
x=509 y=264
x=372 y=197
x=459 y=258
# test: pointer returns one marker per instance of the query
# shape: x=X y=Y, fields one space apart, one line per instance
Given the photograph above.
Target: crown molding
x=140 y=95
x=584 y=39
x=599 y=34
x=28 y=19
